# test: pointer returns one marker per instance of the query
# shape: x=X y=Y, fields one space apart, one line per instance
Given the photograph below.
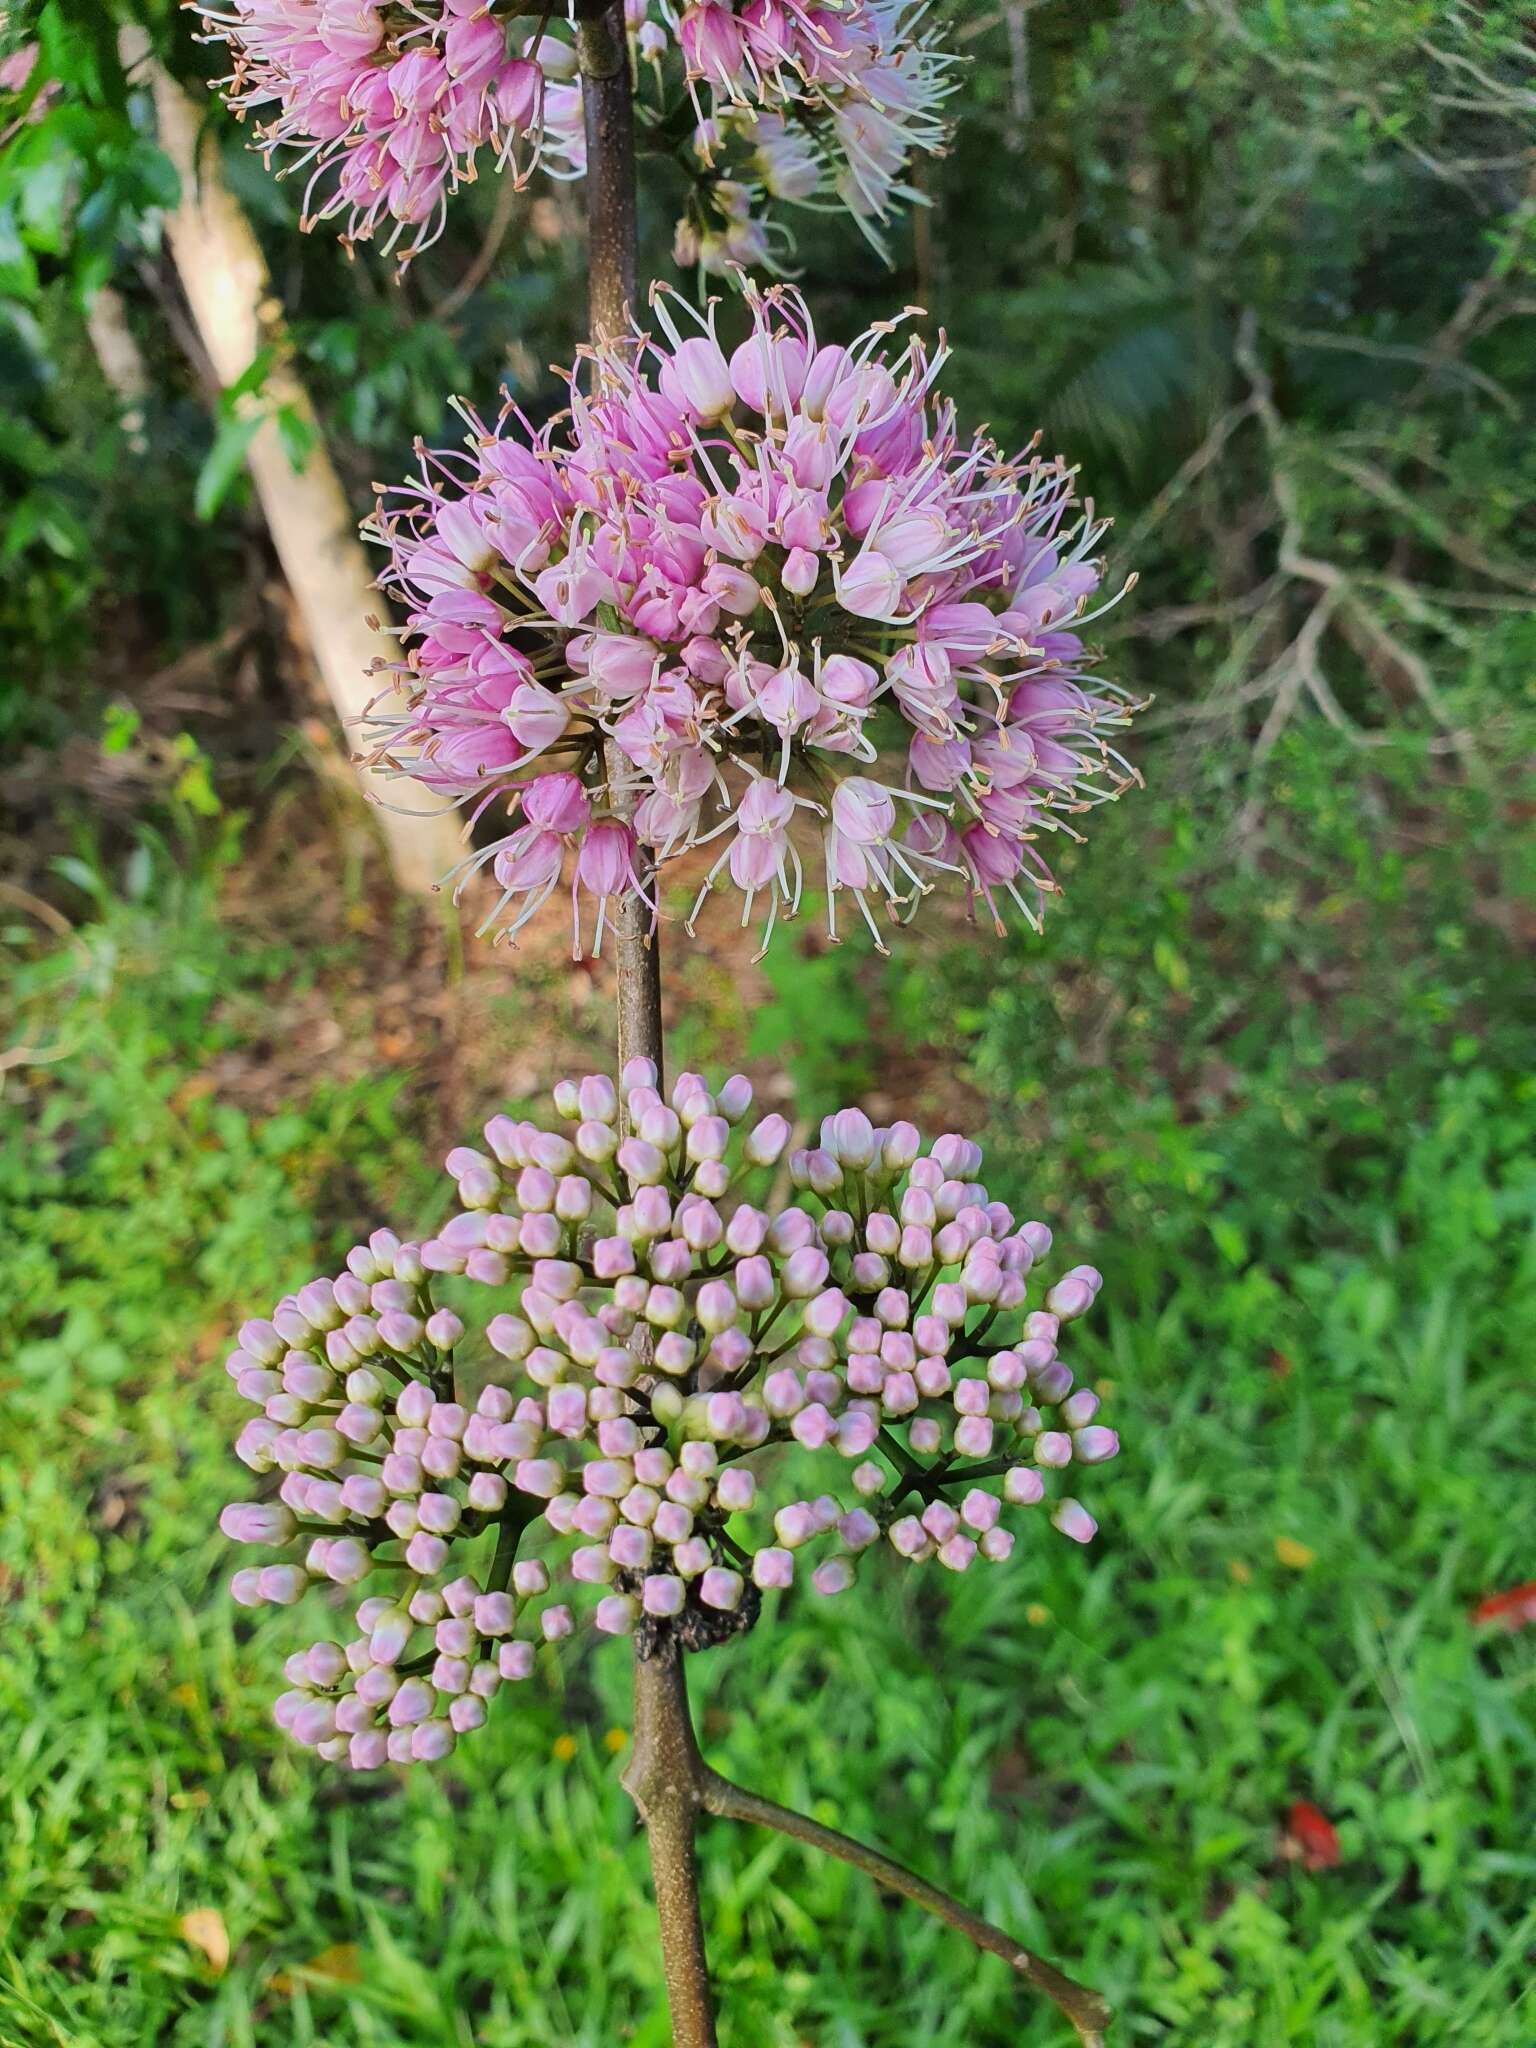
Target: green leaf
x=119 y=728
x=298 y=434
x=224 y=462
x=249 y=382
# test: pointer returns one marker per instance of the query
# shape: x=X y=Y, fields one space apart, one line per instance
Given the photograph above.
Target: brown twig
x=1087 y=2012
x=502 y=216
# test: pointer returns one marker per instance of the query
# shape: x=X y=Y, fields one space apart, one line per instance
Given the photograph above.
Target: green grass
x=1302 y=1150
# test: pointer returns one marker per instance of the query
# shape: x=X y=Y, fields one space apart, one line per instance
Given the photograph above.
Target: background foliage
x=1267 y=271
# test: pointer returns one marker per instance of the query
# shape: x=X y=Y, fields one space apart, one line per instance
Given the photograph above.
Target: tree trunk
x=313 y=528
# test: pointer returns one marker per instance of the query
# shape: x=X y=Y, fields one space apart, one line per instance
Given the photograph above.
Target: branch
x=480 y=268
x=607 y=96
x=665 y=1777
x=1299 y=667
x=1087 y=2012
x=664 y=1772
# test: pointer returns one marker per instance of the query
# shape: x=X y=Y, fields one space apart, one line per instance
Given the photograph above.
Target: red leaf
x=1511 y=1609
x=1313 y=1836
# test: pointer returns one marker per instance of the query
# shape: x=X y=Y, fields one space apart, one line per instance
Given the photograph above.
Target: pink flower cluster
x=396 y=101
x=387 y=106
x=654 y=1401
x=751 y=577
x=805 y=102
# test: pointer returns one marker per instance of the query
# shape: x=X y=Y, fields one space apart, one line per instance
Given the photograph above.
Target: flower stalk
x=603 y=54
x=666 y=1776
x=664 y=1770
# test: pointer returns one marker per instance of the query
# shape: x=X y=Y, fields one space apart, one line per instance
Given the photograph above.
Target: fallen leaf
x=1511 y=1609
x=204 y=1928
x=1295 y=1556
x=338 y=1965
x=1311 y=1836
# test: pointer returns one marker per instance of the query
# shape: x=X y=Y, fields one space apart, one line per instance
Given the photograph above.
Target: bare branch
x=1087 y=2012
x=502 y=216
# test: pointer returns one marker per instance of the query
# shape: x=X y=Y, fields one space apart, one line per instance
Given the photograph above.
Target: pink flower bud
x=856 y=1433
x=541 y=1477
x=411 y=1704
x=773 y=1567
x=455 y=1635
x=426 y=1554
x=1074 y=1520
x=1022 y=1487
x=980 y=1510
x=630 y=1547
x=899 y=1396
x=494 y=1614
x=973 y=1436
x=735 y=1490
x=721 y=1588
x=591 y=1565
x=514 y=1661
x=672 y=1523
x=766 y=1141
x=833 y=1577
x=662 y=1594
x=1094 y=1445
x=615 y=1614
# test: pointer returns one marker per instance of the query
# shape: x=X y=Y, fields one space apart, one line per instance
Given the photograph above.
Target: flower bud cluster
x=595 y=1435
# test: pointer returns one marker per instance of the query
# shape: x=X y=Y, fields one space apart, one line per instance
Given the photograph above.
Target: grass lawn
x=1300 y=1148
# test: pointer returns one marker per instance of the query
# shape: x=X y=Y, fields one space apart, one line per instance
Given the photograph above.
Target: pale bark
x=120 y=361
x=313 y=528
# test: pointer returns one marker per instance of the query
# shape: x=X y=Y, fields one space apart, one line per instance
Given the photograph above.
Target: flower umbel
x=606 y=1430
x=763 y=575
x=387 y=106
x=818 y=104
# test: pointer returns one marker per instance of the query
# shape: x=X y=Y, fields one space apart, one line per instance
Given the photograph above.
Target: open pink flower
x=801 y=102
x=386 y=108
x=752 y=577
